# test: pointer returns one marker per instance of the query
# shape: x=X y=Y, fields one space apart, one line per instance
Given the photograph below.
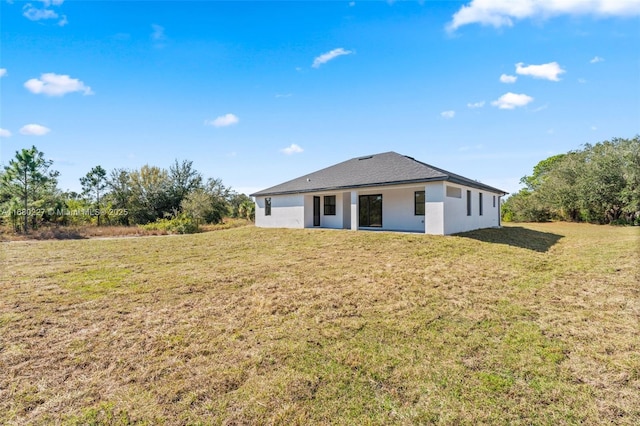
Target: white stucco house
x=387 y=191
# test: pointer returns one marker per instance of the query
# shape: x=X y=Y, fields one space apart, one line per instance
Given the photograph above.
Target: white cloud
x=52 y=84
x=34 y=130
x=4 y=133
x=582 y=80
x=549 y=71
x=470 y=148
x=47 y=3
x=224 y=120
x=35 y=14
x=476 y=104
x=326 y=57
x=158 y=32
x=448 y=114
x=596 y=59
x=3 y=72
x=292 y=149
x=157 y=36
x=512 y=100
x=505 y=78
x=499 y=13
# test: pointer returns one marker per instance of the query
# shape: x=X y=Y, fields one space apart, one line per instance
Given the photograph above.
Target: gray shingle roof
x=388 y=168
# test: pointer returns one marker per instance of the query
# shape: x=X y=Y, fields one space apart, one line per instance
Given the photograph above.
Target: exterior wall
x=346 y=210
x=287 y=211
x=332 y=221
x=354 y=210
x=456 y=218
x=326 y=221
x=434 y=213
x=443 y=214
x=398 y=210
x=308 y=210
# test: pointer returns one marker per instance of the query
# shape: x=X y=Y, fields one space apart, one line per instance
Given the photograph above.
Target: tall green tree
x=198 y=205
x=630 y=195
x=601 y=183
x=119 y=186
x=598 y=183
x=219 y=195
x=26 y=177
x=93 y=185
x=184 y=179
x=541 y=171
x=559 y=191
x=149 y=197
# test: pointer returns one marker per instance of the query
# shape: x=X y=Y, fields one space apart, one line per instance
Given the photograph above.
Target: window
x=267 y=206
x=453 y=192
x=494 y=201
x=418 y=208
x=370 y=210
x=329 y=205
x=468 y=203
x=480 y=203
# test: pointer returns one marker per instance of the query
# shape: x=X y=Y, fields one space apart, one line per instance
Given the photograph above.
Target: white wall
x=287 y=211
x=308 y=211
x=332 y=221
x=443 y=215
x=326 y=221
x=434 y=208
x=456 y=219
x=354 y=210
x=296 y=211
x=398 y=210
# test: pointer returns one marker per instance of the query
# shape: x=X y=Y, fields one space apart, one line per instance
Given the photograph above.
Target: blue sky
x=256 y=93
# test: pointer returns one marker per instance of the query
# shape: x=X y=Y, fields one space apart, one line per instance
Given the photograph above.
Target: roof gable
x=388 y=168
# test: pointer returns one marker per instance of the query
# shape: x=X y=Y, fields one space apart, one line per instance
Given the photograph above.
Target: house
x=387 y=191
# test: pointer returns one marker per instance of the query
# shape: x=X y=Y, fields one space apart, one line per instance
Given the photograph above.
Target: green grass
x=530 y=324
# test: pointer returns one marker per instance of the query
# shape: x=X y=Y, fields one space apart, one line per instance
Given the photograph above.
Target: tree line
x=30 y=197
x=599 y=183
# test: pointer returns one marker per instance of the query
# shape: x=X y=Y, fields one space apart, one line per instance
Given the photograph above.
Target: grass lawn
x=529 y=324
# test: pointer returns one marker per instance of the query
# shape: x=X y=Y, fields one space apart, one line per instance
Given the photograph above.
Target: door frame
x=316 y=210
x=362 y=205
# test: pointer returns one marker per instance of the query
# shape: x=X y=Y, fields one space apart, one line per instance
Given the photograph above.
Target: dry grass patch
x=535 y=324
x=57 y=232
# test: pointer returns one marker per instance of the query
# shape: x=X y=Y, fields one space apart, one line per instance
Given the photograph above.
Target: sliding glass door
x=370 y=210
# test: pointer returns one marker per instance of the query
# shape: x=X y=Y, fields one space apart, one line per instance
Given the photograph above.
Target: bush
x=524 y=206
x=178 y=225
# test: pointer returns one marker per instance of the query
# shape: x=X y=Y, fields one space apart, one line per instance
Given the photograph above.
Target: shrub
x=177 y=225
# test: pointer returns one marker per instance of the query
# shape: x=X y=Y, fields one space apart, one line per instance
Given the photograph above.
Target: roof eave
x=477 y=185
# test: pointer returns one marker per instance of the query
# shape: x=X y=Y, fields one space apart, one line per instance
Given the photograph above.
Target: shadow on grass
x=515 y=236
